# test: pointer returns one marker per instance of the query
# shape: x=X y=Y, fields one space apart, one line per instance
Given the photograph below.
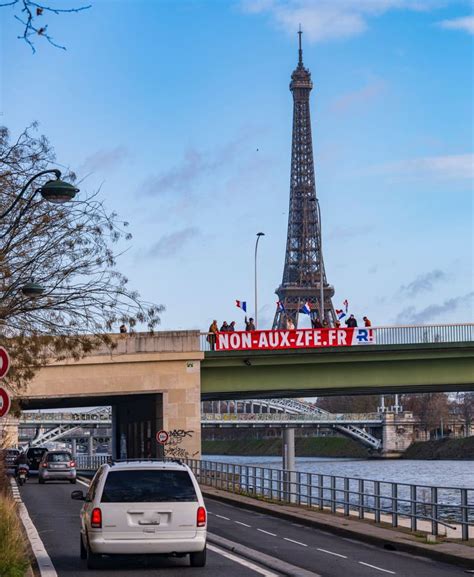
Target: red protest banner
x=296 y=339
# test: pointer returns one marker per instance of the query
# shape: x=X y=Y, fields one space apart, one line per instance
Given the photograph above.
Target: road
x=56 y=517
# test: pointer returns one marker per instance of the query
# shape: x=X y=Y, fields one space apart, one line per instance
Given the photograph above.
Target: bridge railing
x=286 y=417
x=401 y=335
x=418 y=507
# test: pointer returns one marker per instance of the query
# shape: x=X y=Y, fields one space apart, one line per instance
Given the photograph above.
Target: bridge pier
x=289 y=464
x=398 y=433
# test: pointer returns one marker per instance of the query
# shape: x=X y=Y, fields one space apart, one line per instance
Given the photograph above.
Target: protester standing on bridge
x=123 y=329
x=325 y=324
x=224 y=327
x=351 y=322
x=290 y=325
x=249 y=324
x=211 y=337
x=367 y=322
x=231 y=327
x=316 y=323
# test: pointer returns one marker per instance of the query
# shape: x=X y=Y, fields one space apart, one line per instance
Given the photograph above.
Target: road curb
x=418 y=549
x=44 y=564
x=261 y=558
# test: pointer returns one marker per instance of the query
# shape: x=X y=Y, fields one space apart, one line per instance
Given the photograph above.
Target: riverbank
x=304 y=447
x=458 y=449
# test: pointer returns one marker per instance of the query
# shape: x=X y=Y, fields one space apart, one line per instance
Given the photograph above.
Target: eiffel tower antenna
x=304 y=278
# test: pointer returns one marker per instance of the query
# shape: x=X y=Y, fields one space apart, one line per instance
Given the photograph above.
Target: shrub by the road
x=13 y=554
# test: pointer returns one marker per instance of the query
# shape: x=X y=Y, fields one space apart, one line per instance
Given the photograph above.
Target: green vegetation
x=442 y=449
x=305 y=447
x=13 y=553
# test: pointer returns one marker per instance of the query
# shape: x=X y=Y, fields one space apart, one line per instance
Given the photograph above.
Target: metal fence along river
x=440 y=507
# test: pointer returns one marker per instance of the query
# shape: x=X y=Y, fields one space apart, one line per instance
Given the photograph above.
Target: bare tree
x=431 y=409
x=67 y=250
x=349 y=403
x=464 y=408
x=30 y=15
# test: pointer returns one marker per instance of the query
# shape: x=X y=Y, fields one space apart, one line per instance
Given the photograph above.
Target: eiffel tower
x=304 y=277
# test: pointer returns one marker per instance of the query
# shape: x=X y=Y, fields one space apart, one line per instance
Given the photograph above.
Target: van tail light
x=201 y=517
x=96 y=518
x=72 y=463
x=44 y=465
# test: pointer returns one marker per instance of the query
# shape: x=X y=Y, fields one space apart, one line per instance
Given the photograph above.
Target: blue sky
x=181 y=112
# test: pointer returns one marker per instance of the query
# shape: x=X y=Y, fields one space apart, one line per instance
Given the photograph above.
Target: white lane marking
x=331 y=553
x=82 y=483
x=378 y=568
x=222 y=517
x=45 y=565
x=242 y=561
x=240 y=523
x=266 y=532
x=293 y=541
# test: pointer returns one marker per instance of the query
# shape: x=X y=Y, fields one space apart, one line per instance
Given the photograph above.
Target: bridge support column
x=398 y=433
x=90 y=444
x=289 y=464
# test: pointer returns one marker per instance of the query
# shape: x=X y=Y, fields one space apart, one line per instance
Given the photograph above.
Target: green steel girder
x=373 y=369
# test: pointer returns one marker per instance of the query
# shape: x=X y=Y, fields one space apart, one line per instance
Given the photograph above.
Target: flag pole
x=259 y=234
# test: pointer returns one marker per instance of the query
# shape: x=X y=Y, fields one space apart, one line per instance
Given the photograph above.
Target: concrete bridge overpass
x=156 y=382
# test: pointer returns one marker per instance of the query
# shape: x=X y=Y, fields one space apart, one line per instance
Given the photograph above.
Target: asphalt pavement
x=56 y=517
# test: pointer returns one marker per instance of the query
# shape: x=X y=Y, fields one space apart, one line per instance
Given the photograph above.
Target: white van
x=143 y=507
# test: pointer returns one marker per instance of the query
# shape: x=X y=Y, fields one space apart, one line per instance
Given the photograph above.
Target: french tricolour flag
x=306 y=309
x=242 y=305
x=340 y=314
x=280 y=307
x=346 y=304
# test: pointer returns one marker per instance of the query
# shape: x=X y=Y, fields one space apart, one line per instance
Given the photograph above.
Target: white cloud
x=104 y=160
x=465 y=23
x=444 y=312
x=449 y=167
x=329 y=19
x=171 y=244
x=423 y=283
x=358 y=98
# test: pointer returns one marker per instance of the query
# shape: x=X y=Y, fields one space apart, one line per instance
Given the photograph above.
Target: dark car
x=34 y=456
x=10 y=456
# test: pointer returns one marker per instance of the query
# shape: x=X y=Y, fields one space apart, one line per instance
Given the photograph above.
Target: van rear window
x=148 y=486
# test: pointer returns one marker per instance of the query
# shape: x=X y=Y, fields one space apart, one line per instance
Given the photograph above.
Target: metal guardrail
x=405 y=335
x=330 y=418
x=450 y=507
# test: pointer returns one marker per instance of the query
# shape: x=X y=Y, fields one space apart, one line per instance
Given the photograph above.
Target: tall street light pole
x=321 y=265
x=259 y=234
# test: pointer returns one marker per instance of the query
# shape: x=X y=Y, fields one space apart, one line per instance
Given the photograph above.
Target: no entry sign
x=4 y=362
x=4 y=402
x=162 y=437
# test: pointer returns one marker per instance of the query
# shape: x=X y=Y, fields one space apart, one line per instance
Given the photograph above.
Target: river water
x=431 y=473
x=448 y=476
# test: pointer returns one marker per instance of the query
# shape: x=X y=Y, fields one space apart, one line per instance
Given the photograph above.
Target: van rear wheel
x=94 y=561
x=198 y=559
x=83 y=549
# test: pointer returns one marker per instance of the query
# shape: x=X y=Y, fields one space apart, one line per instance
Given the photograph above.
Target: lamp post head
x=58 y=191
x=260 y=234
x=32 y=289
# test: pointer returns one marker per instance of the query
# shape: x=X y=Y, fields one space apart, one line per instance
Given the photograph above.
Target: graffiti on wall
x=175 y=446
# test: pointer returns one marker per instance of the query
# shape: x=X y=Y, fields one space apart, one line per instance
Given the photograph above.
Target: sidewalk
x=457 y=553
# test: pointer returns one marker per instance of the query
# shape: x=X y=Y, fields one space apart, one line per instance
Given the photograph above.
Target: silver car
x=57 y=466
x=144 y=508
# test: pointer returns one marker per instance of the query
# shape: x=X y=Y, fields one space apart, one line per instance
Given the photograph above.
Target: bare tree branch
x=28 y=15
x=70 y=250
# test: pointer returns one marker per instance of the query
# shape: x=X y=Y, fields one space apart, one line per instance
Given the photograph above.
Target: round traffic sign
x=162 y=437
x=4 y=362
x=4 y=402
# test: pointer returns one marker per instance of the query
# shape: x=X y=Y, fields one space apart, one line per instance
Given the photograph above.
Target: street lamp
x=321 y=263
x=56 y=191
x=259 y=234
x=32 y=289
